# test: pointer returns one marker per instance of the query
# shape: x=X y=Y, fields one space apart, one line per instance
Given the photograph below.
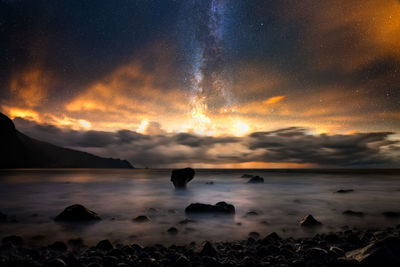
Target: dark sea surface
x=32 y=198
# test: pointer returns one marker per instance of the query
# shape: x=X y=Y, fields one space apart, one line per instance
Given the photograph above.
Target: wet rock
x=353 y=213
x=186 y=221
x=380 y=253
x=309 y=221
x=208 y=250
x=391 y=214
x=59 y=246
x=3 y=217
x=105 y=245
x=56 y=263
x=14 y=240
x=141 y=218
x=256 y=180
x=182 y=261
x=180 y=177
x=172 y=231
x=220 y=207
x=271 y=238
x=77 y=212
x=254 y=235
x=343 y=191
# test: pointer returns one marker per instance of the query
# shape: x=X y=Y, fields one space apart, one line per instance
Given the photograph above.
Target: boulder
x=220 y=207
x=256 y=180
x=309 y=221
x=391 y=214
x=343 y=191
x=172 y=231
x=381 y=253
x=180 y=177
x=3 y=217
x=77 y=212
x=208 y=250
x=353 y=213
x=141 y=218
x=105 y=245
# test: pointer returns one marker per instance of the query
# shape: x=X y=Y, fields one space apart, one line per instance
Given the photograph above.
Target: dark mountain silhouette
x=20 y=151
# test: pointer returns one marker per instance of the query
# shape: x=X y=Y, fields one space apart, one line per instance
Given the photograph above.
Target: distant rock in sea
x=141 y=218
x=256 y=180
x=180 y=177
x=309 y=221
x=344 y=191
x=391 y=214
x=77 y=212
x=20 y=151
x=220 y=207
x=353 y=213
x=247 y=176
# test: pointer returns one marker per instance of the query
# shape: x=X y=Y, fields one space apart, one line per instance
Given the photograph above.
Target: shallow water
x=32 y=198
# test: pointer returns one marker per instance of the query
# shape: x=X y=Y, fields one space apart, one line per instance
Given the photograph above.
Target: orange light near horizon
x=274 y=100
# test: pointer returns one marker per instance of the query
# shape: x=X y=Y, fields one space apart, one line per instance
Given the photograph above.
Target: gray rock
x=180 y=177
x=220 y=207
x=105 y=245
x=141 y=218
x=77 y=212
x=309 y=221
x=381 y=253
x=256 y=180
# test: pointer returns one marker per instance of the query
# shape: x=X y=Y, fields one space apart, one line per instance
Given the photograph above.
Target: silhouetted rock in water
x=247 y=176
x=105 y=245
x=182 y=261
x=186 y=221
x=343 y=191
x=208 y=250
x=210 y=183
x=13 y=239
x=20 y=151
x=256 y=180
x=391 y=214
x=220 y=207
x=252 y=213
x=59 y=246
x=180 y=177
x=172 y=231
x=3 y=217
x=353 y=213
x=141 y=218
x=77 y=212
x=309 y=221
x=381 y=253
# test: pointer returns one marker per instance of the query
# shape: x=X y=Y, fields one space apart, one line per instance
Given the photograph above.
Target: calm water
x=34 y=197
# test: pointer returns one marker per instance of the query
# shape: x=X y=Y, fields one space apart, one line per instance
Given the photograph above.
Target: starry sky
x=210 y=83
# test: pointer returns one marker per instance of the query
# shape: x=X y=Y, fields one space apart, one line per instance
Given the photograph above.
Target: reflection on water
x=34 y=197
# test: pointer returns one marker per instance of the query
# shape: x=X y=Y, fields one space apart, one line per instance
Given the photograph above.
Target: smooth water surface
x=32 y=198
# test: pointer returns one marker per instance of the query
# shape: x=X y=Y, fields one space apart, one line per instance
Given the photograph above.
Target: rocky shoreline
x=347 y=248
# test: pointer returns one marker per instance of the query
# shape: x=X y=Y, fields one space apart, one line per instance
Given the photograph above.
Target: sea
x=31 y=198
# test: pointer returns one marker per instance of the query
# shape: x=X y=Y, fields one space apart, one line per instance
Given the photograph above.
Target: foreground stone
x=220 y=207
x=77 y=212
x=309 y=221
x=180 y=177
x=385 y=252
x=348 y=248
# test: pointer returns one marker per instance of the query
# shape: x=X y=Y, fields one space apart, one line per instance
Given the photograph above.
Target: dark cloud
x=289 y=145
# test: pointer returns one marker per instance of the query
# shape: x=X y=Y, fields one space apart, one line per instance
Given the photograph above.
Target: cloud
x=291 y=146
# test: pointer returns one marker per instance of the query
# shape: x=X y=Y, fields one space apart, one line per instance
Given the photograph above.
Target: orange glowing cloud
x=30 y=88
x=273 y=100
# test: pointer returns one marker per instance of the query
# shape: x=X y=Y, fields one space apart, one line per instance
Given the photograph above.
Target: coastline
x=351 y=247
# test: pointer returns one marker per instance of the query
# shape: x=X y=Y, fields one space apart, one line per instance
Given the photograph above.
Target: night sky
x=210 y=83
